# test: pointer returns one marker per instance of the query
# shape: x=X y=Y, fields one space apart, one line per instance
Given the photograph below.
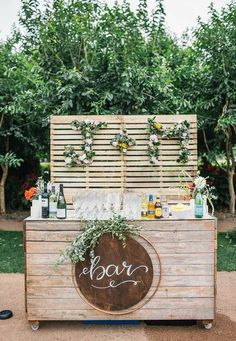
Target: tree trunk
x=231 y=191
x=2 y=189
x=230 y=169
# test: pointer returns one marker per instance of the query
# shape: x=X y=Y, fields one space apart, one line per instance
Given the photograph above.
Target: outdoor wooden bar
x=187 y=250
x=182 y=252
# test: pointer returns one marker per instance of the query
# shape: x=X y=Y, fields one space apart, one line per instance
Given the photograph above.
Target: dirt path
x=17 y=329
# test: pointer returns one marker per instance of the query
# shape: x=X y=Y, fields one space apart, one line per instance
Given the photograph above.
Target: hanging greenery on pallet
x=87 y=240
x=88 y=129
x=180 y=130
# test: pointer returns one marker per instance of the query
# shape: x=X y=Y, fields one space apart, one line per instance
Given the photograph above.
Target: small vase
x=35 y=208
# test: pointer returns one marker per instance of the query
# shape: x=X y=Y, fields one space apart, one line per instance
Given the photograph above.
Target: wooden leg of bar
x=34 y=325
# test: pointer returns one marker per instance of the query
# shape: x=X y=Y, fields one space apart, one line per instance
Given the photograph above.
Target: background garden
x=83 y=57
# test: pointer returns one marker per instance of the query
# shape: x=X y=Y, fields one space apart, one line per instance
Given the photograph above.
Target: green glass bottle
x=61 y=204
x=198 y=204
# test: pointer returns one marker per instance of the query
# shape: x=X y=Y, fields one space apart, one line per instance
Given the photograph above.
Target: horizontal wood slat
x=108 y=170
x=170 y=292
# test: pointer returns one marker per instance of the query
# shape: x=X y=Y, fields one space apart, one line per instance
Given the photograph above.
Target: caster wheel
x=34 y=326
x=207 y=326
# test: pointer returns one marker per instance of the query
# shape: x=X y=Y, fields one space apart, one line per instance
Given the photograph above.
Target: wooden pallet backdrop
x=111 y=171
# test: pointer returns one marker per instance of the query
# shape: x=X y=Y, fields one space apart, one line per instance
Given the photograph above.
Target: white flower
x=114 y=143
x=87 y=148
x=130 y=143
x=74 y=128
x=89 y=141
x=153 y=159
x=150 y=143
x=82 y=157
x=87 y=135
x=200 y=182
x=154 y=138
x=87 y=122
x=68 y=160
x=86 y=161
x=124 y=151
x=96 y=123
x=184 y=135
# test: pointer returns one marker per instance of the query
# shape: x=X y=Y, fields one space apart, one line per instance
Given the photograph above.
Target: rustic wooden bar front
x=182 y=251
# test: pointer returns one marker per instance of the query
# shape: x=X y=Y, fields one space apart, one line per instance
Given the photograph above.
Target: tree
x=215 y=87
x=103 y=60
x=6 y=161
x=19 y=120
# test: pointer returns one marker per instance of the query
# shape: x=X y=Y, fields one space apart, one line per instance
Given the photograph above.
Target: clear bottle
x=144 y=207
x=151 y=208
x=45 y=202
x=198 y=204
x=61 y=204
x=165 y=209
x=53 y=203
x=158 y=208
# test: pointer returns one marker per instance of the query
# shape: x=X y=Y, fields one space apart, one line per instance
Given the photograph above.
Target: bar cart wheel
x=207 y=324
x=34 y=325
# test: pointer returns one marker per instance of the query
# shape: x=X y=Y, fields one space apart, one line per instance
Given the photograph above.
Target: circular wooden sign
x=117 y=278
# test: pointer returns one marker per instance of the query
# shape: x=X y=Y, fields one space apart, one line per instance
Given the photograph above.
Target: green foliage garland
x=179 y=130
x=87 y=241
x=154 y=129
x=122 y=141
x=88 y=129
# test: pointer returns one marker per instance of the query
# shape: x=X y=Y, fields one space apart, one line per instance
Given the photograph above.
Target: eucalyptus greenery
x=93 y=231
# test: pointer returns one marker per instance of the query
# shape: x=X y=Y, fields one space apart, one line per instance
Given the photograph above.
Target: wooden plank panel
x=107 y=147
x=155 y=236
x=77 y=303
x=179 y=247
x=151 y=314
x=127 y=118
x=166 y=259
x=172 y=292
x=168 y=270
x=147 y=225
x=166 y=281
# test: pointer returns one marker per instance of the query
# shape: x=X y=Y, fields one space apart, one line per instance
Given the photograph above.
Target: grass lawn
x=12 y=255
x=11 y=251
x=226 y=251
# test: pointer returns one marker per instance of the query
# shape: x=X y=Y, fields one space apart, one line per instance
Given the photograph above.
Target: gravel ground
x=17 y=328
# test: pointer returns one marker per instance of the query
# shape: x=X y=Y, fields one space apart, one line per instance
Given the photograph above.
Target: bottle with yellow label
x=151 y=208
x=158 y=209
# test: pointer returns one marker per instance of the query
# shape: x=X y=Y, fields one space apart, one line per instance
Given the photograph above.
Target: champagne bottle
x=53 y=204
x=198 y=204
x=45 y=202
x=61 y=204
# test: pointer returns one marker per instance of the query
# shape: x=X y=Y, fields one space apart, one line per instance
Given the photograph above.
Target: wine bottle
x=45 y=202
x=198 y=204
x=53 y=204
x=61 y=204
